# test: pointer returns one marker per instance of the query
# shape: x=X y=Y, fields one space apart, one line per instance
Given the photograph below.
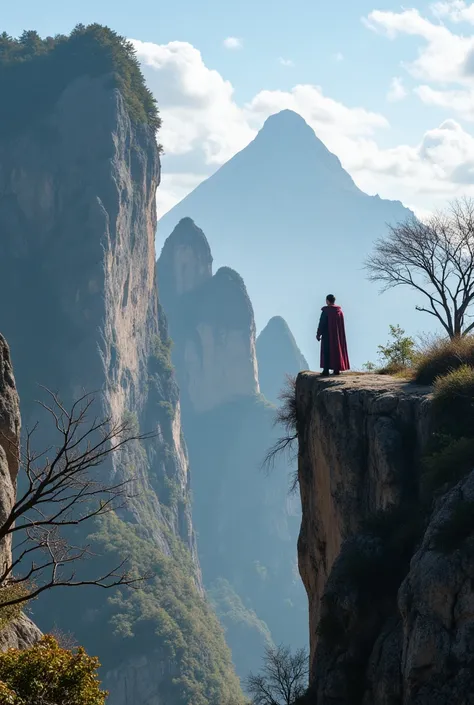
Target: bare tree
x=436 y=258
x=283 y=678
x=286 y=418
x=63 y=489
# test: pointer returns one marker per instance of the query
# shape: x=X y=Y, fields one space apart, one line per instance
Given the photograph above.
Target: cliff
x=246 y=523
x=388 y=577
x=77 y=215
x=278 y=356
x=20 y=632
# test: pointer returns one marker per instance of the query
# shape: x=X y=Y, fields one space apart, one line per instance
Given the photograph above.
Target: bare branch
x=64 y=489
x=286 y=417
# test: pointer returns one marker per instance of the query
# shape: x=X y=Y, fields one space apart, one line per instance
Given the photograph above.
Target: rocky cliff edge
x=389 y=573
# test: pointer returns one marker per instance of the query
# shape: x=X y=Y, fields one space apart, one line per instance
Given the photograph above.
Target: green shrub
x=161 y=352
x=399 y=352
x=442 y=357
x=166 y=613
x=453 y=402
x=131 y=423
x=45 y=673
x=459 y=527
x=447 y=465
x=9 y=613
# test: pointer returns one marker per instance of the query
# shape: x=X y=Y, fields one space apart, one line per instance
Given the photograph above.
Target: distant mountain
x=278 y=356
x=285 y=214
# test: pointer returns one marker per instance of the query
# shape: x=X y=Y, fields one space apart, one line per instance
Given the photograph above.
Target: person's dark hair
x=331 y=298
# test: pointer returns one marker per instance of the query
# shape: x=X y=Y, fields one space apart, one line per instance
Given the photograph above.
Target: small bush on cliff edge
x=398 y=355
x=45 y=673
x=443 y=357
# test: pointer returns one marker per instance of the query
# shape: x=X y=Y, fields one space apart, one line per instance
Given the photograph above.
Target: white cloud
x=203 y=126
x=397 y=90
x=440 y=167
x=460 y=101
x=233 y=43
x=324 y=114
x=445 y=56
x=196 y=103
x=286 y=62
x=454 y=10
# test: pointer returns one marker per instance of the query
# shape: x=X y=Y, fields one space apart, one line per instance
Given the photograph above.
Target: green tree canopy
x=35 y=71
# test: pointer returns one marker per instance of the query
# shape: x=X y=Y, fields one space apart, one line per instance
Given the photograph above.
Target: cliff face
x=21 y=632
x=391 y=617
x=246 y=523
x=78 y=220
x=76 y=215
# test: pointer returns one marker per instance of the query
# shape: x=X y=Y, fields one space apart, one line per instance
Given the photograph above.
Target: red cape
x=338 y=356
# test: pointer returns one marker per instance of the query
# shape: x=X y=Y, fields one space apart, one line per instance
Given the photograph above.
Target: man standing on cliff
x=332 y=331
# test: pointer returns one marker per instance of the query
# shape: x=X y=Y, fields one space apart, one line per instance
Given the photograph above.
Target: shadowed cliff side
x=388 y=573
x=246 y=523
x=20 y=632
x=78 y=179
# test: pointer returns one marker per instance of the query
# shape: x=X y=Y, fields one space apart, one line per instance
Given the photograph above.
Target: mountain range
x=285 y=214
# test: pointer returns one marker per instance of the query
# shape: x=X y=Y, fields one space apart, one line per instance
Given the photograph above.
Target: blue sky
x=385 y=87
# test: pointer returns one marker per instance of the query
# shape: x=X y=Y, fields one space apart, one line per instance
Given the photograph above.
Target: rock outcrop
x=21 y=632
x=278 y=356
x=78 y=219
x=246 y=523
x=390 y=587
x=212 y=322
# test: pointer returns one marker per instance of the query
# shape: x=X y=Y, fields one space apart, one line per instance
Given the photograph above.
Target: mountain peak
x=286 y=118
x=289 y=125
x=297 y=143
x=187 y=233
x=278 y=356
x=185 y=261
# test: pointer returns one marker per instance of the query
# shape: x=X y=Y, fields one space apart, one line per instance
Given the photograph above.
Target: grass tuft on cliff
x=443 y=357
x=453 y=401
x=35 y=71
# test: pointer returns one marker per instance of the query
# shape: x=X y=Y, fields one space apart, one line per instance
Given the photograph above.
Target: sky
x=389 y=89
